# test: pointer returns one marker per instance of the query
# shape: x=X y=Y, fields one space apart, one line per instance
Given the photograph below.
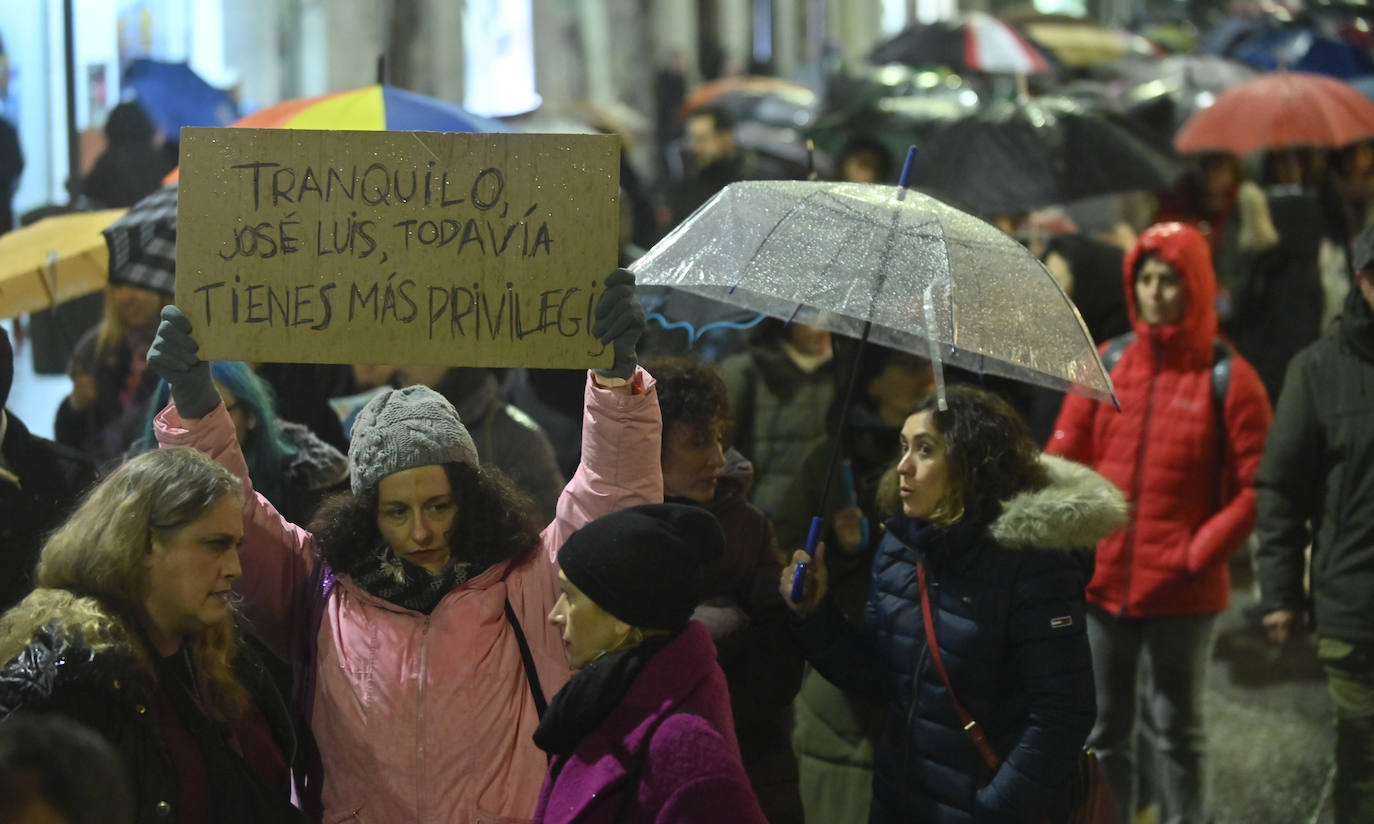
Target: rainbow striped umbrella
x=374 y=108
x=371 y=108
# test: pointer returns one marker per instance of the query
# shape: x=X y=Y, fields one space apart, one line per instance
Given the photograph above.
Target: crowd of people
x=280 y=592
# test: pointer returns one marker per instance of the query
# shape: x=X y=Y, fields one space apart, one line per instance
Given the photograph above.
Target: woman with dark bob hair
x=131 y=632
x=414 y=610
x=998 y=538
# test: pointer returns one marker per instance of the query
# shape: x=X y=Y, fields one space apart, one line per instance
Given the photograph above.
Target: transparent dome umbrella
x=886 y=264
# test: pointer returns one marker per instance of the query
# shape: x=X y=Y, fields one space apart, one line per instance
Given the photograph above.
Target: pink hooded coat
x=429 y=718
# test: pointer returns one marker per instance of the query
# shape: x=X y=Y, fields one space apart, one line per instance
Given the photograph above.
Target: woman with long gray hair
x=130 y=631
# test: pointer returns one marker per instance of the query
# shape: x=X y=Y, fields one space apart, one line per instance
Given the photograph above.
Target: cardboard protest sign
x=396 y=247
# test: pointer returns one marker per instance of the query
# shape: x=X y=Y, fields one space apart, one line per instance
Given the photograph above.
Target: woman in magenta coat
x=643 y=732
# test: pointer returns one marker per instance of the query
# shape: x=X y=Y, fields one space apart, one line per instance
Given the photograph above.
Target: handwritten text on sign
x=396 y=247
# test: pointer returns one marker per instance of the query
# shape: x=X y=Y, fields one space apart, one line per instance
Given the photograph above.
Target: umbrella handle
x=799 y=575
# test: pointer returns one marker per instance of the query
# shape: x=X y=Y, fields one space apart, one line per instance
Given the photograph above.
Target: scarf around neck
x=237 y=793
x=588 y=699
x=384 y=575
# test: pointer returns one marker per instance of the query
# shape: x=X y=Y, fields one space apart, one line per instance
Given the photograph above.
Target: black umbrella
x=893 y=122
x=1018 y=156
x=143 y=243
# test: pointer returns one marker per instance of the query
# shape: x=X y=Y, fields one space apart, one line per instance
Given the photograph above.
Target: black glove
x=620 y=321
x=173 y=358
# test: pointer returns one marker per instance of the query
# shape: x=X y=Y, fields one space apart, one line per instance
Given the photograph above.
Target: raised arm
x=277 y=555
x=621 y=442
x=621 y=425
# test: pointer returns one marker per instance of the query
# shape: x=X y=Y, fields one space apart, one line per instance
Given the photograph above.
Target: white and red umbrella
x=973 y=41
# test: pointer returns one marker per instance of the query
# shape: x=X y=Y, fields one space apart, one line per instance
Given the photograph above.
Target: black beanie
x=6 y=367
x=643 y=564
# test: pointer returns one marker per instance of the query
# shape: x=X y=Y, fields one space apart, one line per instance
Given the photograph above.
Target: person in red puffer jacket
x=1186 y=456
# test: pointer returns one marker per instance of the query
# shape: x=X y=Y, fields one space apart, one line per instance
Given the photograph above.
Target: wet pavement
x=1271 y=734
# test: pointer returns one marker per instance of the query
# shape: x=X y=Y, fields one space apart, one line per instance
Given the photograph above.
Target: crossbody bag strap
x=540 y=703
x=971 y=726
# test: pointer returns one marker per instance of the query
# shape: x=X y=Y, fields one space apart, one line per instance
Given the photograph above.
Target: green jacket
x=778 y=411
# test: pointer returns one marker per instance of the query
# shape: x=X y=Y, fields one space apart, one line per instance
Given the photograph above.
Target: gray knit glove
x=173 y=357
x=620 y=321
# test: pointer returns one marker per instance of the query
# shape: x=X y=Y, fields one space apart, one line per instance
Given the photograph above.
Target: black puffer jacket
x=109 y=692
x=51 y=478
x=1009 y=619
x=1318 y=469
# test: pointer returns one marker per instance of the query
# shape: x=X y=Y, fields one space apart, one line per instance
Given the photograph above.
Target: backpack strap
x=636 y=772
x=537 y=692
x=1221 y=378
x=1115 y=347
x=1221 y=387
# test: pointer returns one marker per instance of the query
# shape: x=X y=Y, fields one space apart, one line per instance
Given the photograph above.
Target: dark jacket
x=1318 y=469
x=51 y=479
x=106 y=428
x=1009 y=619
x=673 y=725
x=313 y=472
x=109 y=692
x=505 y=437
x=834 y=731
x=1190 y=487
x=779 y=411
x=762 y=665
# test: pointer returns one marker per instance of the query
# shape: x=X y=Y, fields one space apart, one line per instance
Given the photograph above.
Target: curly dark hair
x=689 y=393
x=992 y=455
x=495 y=522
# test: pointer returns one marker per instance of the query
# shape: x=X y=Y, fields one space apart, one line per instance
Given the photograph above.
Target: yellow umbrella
x=1081 y=43
x=55 y=259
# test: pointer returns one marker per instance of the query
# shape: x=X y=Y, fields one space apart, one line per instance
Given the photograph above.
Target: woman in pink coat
x=642 y=734
x=415 y=614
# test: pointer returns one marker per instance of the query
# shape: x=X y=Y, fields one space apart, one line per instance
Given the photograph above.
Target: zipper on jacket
x=420 y=723
x=915 y=693
x=1128 y=546
x=911 y=714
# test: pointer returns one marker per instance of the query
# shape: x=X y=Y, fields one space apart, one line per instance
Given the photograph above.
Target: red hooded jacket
x=1191 y=507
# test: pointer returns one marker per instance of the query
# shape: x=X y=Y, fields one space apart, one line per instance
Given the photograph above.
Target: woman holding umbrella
x=976 y=609
x=414 y=612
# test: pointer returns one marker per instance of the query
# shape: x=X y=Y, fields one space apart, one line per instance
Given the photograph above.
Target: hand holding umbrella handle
x=799 y=574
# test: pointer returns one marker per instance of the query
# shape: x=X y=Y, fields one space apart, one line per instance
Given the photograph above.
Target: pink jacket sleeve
x=1247 y=418
x=621 y=467
x=276 y=555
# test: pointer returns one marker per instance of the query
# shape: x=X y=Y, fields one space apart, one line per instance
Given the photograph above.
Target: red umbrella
x=1275 y=111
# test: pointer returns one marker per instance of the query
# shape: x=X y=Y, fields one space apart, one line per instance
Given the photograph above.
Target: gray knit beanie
x=402 y=429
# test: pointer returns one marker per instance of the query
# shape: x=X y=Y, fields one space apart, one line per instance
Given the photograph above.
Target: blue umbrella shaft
x=799 y=575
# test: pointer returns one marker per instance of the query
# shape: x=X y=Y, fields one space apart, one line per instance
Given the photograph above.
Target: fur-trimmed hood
x=1074 y=511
